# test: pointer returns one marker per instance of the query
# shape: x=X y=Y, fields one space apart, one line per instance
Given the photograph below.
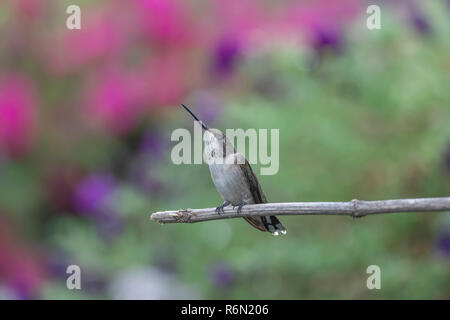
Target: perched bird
x=234 y=178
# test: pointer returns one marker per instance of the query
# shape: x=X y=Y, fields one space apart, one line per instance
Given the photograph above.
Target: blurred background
x=86 y=118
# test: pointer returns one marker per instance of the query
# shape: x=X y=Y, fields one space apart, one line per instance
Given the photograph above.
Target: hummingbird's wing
x=256 y=191
x=253 y=183
x=264 y=223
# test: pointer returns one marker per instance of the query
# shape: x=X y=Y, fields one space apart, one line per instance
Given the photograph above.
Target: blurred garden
x=86 y=118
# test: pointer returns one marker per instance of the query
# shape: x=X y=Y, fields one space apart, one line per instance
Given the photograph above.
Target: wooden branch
x=355 y=208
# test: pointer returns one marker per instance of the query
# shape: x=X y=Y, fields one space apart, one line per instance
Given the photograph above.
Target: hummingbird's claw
x=240 y=207
x=220 y=208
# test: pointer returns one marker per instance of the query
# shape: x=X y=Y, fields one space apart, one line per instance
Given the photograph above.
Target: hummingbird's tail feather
x=273 y=225
x=267 y=223
x=256 y=222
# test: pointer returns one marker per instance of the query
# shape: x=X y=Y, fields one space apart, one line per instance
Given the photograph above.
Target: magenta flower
x=17 y=114
x=101 y=36
x=20 y=270
x=164 y=79
x=25 y=276
x=240 y=18
x=114 y=101
x=166 y=22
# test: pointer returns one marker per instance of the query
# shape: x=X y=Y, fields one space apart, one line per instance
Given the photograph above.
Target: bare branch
x=355 y=208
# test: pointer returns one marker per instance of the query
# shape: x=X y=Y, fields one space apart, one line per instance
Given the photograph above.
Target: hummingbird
x=234 y=178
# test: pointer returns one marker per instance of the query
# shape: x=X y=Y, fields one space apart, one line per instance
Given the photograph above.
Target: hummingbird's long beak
x=195 y=117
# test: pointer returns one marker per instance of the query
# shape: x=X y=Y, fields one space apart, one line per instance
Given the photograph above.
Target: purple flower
x=322 y=22
x=94 y=196
x=222 y=276
x=442 y=242
x=418 y=19
x=94 y=193
x=22 y=273
x=225 y=55
x=326 y=39
x=152 y=144
x=22 y=291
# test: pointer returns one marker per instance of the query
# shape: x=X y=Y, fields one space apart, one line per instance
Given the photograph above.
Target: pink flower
x=20 y=270
x=29 y=9
x=165 y=79
x=241 y=26
x=240 y=17
x=101 y=36
x=166 y=22
x=17 y=114
x=114 y=100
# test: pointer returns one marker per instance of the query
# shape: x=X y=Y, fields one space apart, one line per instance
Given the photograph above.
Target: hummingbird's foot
x=240 y=207
x=220 y=208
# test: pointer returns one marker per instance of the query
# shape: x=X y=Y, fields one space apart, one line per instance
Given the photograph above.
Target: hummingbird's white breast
x=230 y=181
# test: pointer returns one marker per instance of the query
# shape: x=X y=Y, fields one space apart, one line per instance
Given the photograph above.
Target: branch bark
x=355 y=208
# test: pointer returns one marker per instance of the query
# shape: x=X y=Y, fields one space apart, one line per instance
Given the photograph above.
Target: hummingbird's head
x=214 y=141
x=217 y=144
x=213 y=137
